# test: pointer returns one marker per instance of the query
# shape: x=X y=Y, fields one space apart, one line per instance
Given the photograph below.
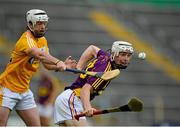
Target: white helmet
x=121 y=46
x=35 y=15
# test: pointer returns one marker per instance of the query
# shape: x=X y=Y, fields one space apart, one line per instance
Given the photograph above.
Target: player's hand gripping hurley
x=103 y=75
x=134 y=105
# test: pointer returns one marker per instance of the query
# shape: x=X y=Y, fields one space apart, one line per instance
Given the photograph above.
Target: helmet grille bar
x=125 y=44
x=40 y=14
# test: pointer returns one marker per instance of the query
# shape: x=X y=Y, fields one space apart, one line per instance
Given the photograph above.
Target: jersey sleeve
x=24 y=44
x=101 y=52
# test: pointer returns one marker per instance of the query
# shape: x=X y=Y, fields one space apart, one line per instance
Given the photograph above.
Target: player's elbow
x=36 y=53
x=32 y=51
x=94 y=49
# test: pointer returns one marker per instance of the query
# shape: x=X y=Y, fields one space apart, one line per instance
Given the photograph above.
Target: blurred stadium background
x=151 y=25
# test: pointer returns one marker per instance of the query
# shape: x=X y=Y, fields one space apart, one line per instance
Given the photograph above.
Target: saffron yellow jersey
x=21 y=67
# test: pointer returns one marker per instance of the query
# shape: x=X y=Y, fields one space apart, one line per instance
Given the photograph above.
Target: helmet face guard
x=118 y=47
x=32 y=17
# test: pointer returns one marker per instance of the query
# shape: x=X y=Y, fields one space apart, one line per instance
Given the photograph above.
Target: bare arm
x=85 y=98
x=50 y=66
x=49 y=62
x=70 y=63
x=87 y=55
x=42 y=56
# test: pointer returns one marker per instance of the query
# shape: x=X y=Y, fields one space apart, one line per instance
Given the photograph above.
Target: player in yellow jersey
x=30 y=50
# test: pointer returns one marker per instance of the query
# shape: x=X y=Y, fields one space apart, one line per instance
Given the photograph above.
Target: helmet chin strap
x=30 y=28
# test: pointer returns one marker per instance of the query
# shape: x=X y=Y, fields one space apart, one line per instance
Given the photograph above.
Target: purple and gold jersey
x=101 y=64
x=45 y=89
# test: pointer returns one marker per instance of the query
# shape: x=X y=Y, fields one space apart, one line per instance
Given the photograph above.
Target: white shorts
x=67 y=105
x=45 y=110
x=19 y=101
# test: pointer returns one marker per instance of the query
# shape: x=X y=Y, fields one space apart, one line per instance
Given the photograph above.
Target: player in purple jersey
x=76 y=98
x=48 y=88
